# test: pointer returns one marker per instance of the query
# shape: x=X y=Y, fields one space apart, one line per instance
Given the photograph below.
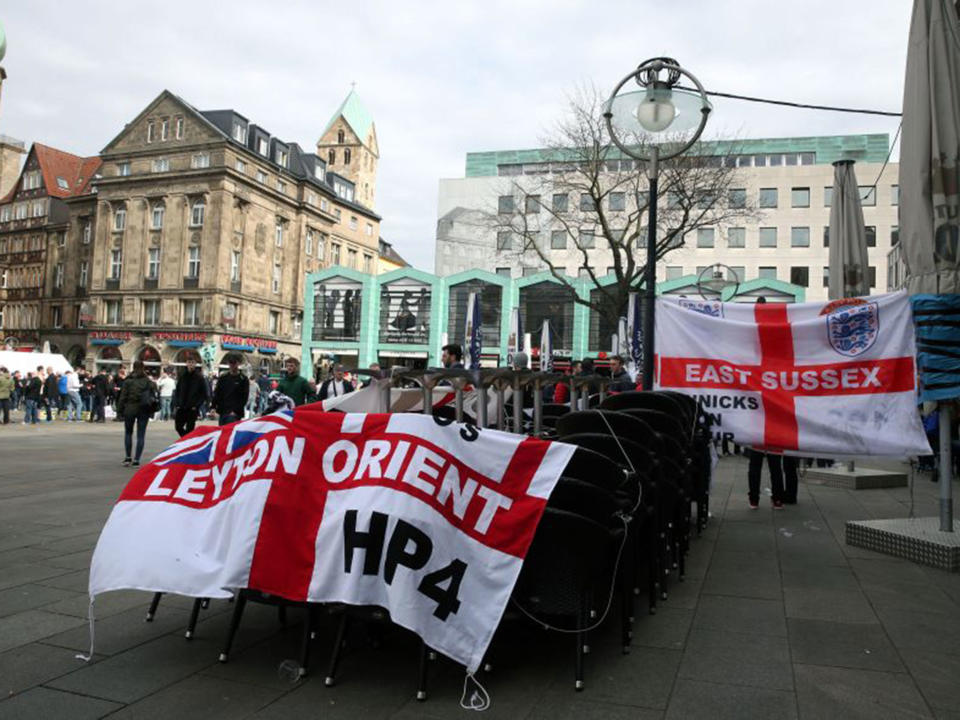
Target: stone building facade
x=201 y=231
x=35 y=255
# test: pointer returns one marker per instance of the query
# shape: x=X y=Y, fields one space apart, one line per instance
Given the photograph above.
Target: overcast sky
x=440 y=78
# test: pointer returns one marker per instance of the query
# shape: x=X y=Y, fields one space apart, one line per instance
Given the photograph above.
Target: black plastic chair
x=567 y=575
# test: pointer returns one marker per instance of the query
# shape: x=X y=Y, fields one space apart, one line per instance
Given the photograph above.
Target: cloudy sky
x=440 y=78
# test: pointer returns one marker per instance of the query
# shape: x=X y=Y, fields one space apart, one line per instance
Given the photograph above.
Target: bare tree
x=598 y=200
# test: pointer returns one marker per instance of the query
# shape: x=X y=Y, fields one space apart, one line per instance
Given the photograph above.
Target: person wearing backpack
x=137 y=402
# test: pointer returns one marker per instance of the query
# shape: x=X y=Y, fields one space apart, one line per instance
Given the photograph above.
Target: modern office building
x=405 y=316
x=787 y=180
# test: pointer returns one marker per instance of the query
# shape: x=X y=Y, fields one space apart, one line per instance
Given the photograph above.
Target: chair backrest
x=626 y=453
x=569 y=555
x=555 y=410
x=662 y=423
x=584 y=498
x=606 y=422
x=594 y=468
x=651 y=400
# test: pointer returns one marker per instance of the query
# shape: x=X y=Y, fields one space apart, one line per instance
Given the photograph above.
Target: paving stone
x=141 y=671
x=910 y=597
x=42 y=702
x=560 y=706
x=32 y=625
x=78 y=580
x=692 y=700
x=124 y=630
x=33 y=664
x=642 y=678
x=922 y=631
x=107 y=604
x=938 y=677
x=28 y=597
x=852 y=645
x=761 y=661
x=746 y=537
x=200 y=696
x=835 y=605
x=743 y=575
x=742 y=615
x=683 y=595
x=842 y=692
x=20 y=574
x=667 y=629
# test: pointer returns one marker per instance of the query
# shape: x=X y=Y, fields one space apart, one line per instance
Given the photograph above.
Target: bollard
x=482 y=408
x=458 y=401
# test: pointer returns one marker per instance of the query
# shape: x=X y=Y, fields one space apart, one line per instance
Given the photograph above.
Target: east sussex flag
x=427 y=518
x=821 y=379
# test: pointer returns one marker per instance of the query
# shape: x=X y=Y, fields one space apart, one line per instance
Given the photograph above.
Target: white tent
x=30 y=361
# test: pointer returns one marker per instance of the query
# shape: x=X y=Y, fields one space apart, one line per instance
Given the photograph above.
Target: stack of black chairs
x=616 y=527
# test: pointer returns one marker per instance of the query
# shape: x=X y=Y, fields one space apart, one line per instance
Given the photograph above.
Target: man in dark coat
x=101 y=391
x=191 y=392
x=233 y=389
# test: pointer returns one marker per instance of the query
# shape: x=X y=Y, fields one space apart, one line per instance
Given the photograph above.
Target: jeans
x=141 y=419
x=30 y=413
x=775 y=463
x=165 y=407
x=73 y=405
x=5 y=408
x=96 y=414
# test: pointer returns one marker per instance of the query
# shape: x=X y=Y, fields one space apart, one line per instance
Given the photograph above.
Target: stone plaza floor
x=777 y=618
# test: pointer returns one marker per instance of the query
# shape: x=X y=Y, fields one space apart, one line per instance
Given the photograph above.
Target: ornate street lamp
x=659 y=110
x=715 y=279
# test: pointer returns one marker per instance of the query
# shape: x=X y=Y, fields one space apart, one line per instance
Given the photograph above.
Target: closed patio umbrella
x=930 y=178
x=930 y=150
x=848 y=236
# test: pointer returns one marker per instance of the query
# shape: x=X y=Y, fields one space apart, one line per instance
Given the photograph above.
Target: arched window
x=332 y=156
x=197 y=212
x=340 y=137
x=346 y=156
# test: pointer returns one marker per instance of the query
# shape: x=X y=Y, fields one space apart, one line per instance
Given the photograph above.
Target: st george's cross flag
x=819 y=379
x=427 y=518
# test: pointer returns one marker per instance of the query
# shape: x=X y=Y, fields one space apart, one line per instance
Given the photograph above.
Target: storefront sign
x=181 y=339
x=248 y=344
x=109 y=337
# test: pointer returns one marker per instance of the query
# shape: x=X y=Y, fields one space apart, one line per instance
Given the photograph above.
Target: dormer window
x=62 y=183
x=281 y=157
x=262 y=147
x=239 y=132
x=340 y=137
x=318 y=172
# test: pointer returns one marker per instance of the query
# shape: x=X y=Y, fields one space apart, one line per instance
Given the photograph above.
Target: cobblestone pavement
x=777 y=618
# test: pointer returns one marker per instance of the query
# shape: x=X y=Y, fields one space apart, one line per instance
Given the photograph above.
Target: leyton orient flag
x=829 y=379
x=426 y=518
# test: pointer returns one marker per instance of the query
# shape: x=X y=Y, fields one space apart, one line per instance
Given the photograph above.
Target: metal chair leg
x=192 y=622
x=308 y=625
x=152 y=610
x=422 y=679
x=337 y=647
x=241 y=603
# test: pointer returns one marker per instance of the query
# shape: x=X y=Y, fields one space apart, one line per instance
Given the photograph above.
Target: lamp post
x=658 y=107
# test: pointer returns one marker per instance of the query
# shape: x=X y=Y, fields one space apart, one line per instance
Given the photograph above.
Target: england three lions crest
x=852 y=330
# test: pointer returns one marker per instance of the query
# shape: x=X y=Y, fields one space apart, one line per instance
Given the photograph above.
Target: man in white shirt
x=166 y=385
x=335 y=386
x=73 y=397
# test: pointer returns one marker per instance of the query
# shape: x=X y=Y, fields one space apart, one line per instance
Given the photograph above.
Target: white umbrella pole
x=946 y=468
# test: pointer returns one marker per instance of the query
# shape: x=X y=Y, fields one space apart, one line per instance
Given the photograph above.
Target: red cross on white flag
x=830 y=379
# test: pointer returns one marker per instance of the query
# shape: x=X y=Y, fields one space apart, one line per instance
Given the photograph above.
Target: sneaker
x=777 y=505
x=754 y=504
x=136 y=463
x=126 y=462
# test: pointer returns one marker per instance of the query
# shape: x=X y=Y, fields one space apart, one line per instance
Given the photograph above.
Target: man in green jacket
x=293 y=384
x=6 y=390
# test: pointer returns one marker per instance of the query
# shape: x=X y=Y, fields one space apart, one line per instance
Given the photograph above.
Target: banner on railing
x=821 y=379
x=426 y=518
